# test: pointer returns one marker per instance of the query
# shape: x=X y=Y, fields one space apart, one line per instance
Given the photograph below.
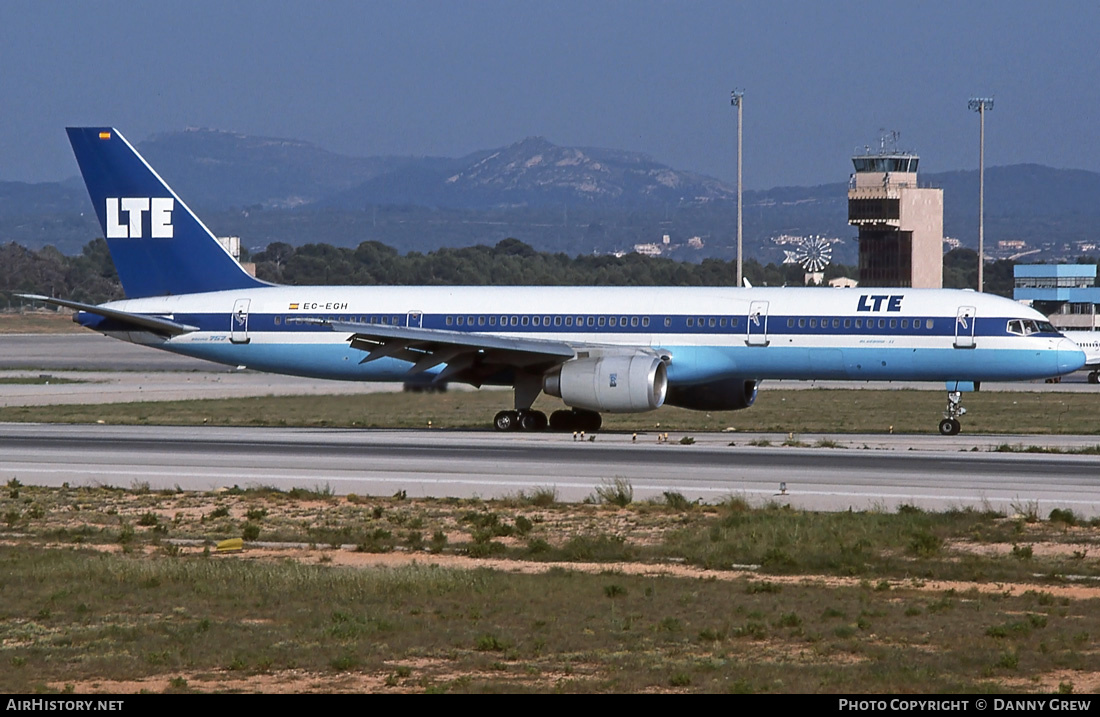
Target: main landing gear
x=950 y=425
x=1094 y=376
x=528 y=386
x=517 y=420
x=575 y=419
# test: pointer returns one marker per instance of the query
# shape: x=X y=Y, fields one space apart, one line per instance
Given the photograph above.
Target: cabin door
x=238 y=322
x=414 y=319
x=757 y=331
x=964 y=327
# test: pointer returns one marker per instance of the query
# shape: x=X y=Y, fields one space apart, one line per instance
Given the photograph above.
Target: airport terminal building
x=1067 y=293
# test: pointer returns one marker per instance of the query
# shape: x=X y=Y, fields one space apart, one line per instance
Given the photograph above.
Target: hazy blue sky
x=448 y=78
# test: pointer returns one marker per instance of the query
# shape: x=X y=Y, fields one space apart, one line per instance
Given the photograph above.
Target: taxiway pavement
x=870 y=471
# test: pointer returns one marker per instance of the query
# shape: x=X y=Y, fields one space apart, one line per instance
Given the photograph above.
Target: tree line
x=91 y=277
x=510 y=262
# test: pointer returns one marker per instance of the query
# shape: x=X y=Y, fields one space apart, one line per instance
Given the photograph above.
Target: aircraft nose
x=1070 y=356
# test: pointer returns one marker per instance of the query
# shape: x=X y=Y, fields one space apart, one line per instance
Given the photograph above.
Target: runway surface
x=931 y=472
x=98 y=387
x=96 y=369
x=90 y=352
x=873 y=471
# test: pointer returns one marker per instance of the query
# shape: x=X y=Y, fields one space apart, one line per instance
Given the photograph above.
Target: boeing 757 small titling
x=601 y=350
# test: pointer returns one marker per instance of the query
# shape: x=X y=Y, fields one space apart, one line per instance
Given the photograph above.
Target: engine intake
x=614 y=384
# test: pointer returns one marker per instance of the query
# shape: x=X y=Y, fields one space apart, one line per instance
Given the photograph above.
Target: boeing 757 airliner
x=616 y=350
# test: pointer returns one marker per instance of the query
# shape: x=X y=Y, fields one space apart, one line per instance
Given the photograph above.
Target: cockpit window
x=1026 y=327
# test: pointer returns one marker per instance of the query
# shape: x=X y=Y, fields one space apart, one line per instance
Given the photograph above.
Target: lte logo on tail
x=158 y=208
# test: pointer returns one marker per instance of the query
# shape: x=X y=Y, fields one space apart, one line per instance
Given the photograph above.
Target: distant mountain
x=1044 y=206
x=222 y=169
x=536 y=173
x=569 y=199
x=26 y=199
x=218 y=169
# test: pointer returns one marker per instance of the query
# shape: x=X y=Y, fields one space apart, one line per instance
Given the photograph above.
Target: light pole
x=736 y=98
x=981 y=105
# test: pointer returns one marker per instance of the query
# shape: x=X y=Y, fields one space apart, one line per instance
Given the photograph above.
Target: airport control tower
x=900 y=224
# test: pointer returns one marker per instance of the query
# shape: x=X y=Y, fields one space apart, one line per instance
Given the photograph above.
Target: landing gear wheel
x=532 y=421
x=576 y=419
x=1094 y=377
x=506 y=421
x=561 y=421
x=587 y=421
x=950 y=427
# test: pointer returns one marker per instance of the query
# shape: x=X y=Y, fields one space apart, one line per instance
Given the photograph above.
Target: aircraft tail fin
x=158 y=245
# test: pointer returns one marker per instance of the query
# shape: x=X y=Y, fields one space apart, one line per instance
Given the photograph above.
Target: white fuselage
x=709 y=333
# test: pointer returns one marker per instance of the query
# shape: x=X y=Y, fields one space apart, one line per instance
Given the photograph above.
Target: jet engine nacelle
x=731 y=394
x=613 y=384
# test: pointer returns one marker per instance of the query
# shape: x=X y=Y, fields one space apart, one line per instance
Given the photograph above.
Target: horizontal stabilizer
x=143 y=322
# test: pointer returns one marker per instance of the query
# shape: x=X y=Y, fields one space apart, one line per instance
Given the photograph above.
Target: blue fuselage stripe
x=695 y=324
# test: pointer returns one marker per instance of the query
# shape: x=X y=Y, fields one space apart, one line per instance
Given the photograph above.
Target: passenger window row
x=543 y=321
x=1015 y=326
x=850 y=323
x=387 y=320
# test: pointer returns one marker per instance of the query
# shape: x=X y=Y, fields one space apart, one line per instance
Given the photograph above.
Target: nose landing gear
x=950 y=425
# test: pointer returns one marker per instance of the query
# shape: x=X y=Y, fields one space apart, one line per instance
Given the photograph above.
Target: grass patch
x=73 y=615
x=1069 y=450
x=625 y=634
x=36 y=380
x=38 y=321
x=677 y=501
x=910 y=542
x=781 y=411
x=617 y=491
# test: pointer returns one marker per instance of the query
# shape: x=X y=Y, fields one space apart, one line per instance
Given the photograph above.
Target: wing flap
x=431 y=339
x=469 y=356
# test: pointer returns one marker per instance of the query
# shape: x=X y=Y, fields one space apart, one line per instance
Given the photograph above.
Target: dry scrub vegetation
x=122 y=590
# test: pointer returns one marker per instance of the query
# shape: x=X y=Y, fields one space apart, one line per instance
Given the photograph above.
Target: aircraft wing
x=470 y=357
x=140 y=322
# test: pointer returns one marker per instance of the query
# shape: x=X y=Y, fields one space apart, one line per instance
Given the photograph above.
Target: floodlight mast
x=736 y=98
x=981 y=105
